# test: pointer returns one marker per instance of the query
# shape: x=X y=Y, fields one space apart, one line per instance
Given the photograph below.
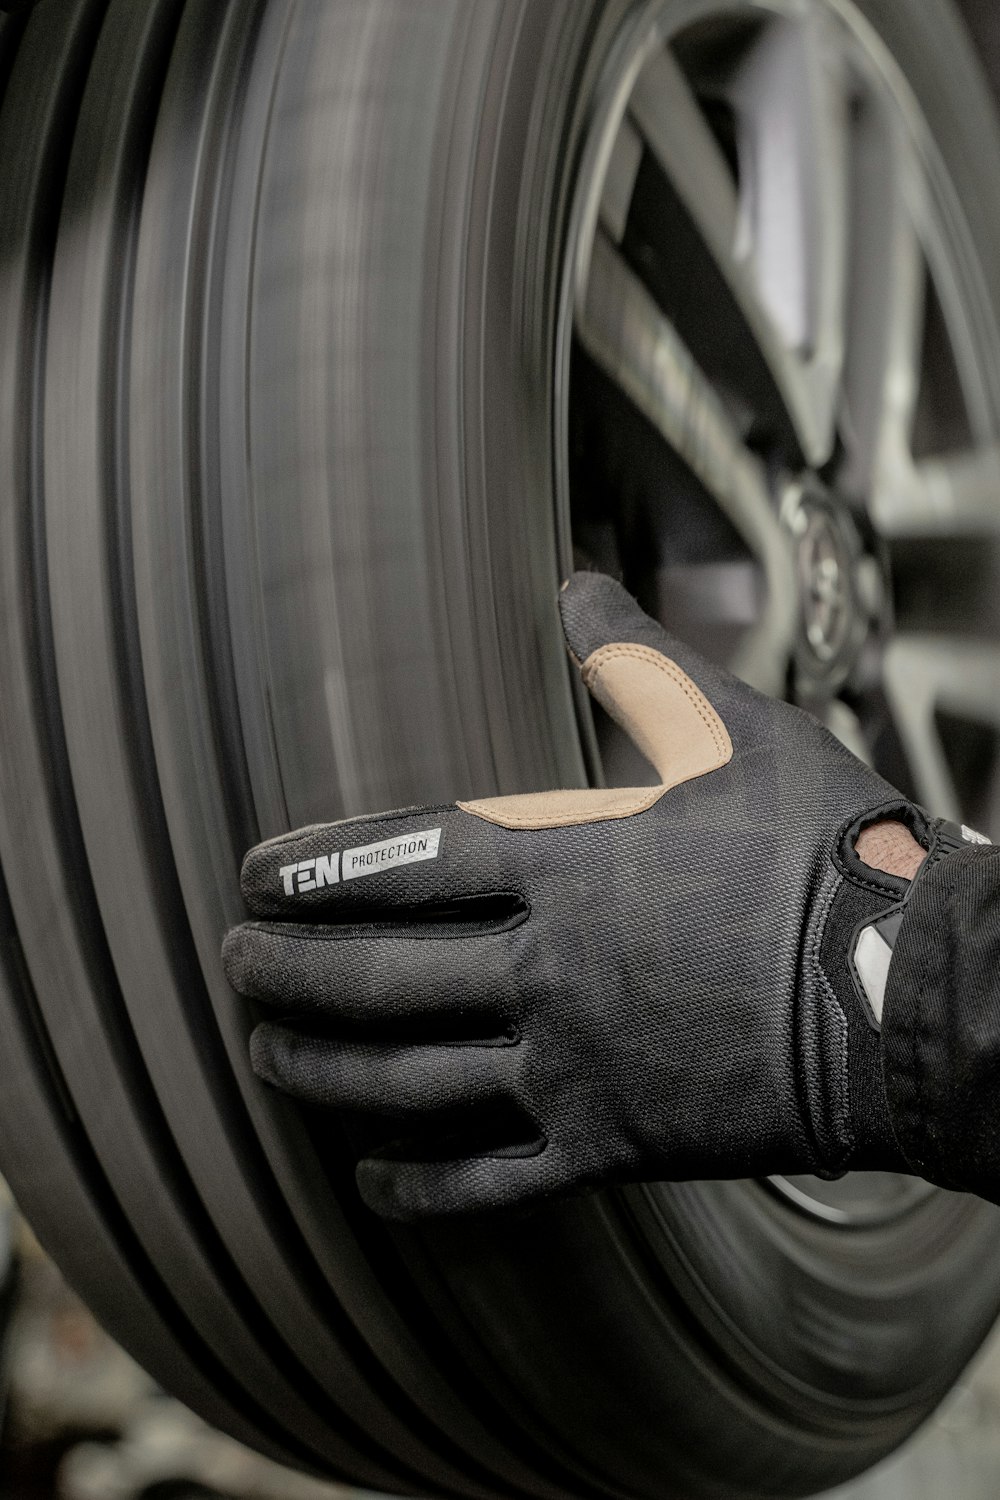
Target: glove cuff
x=871 y=1145
x=861 y=897
x=941 y=1022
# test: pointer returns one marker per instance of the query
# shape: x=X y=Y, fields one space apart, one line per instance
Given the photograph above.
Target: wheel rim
x=778 y=376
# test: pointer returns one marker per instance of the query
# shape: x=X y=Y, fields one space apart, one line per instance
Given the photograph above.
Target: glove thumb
x=631 y=667
x=597 y=611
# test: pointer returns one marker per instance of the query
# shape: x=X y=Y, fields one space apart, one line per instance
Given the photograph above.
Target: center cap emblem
x=832 y=622
x=825 y=584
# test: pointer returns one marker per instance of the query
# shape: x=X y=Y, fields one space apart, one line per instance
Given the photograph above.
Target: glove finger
x=334 y=974
x=391 y=1081
x=597 y=611
x=412 y=1190
x=634 y=671
x=390 y=862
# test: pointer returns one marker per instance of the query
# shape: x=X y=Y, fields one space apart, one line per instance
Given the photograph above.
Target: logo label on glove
x=309 y=874
x=406 y=849
x=972 y=837
x=367 y=859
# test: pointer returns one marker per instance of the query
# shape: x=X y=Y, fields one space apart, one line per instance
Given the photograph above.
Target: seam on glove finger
x=594 y=664
x=512 y=1037
x=658 y=730
x=918 y=1124
x=831 y=1131
x=419 y=930
x=311 y=1029
x=405 y=1146
x=621 y=802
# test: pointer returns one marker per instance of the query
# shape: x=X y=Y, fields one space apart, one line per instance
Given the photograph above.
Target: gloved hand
x=564 y=989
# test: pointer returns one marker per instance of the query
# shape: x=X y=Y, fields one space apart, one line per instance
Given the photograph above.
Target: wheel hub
x=834 y=576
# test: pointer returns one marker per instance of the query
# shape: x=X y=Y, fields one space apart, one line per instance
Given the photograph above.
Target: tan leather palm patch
x=666 y=716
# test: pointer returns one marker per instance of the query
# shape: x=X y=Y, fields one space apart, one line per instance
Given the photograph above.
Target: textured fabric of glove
x=556 y=991
x=942 y=1024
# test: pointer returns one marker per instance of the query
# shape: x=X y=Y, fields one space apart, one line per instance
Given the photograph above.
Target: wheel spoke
x=791 y=90
x=733 y=330
x=624 y=332
x=953 y=495
x=778 y=240
x=674 y=128
x=619 y=182
x=888 y=282
x=929 y=674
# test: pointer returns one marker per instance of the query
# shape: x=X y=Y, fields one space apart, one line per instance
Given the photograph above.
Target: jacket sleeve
x=941 y=1025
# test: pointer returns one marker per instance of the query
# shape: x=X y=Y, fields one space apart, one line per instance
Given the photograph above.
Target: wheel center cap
x=829 y=553
x=825 y=584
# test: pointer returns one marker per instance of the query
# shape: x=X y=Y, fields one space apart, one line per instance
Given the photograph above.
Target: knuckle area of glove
x=367 y=980
x=402 y=1089
x=411 y=1190
x=394 y=1081
x=488 y=913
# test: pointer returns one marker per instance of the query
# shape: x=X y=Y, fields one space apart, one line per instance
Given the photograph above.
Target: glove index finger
x=395 y=859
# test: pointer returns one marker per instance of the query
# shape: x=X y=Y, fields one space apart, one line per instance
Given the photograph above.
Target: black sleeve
x=941 y=1026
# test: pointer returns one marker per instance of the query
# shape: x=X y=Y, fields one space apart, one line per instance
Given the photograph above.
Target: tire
x=283 y=410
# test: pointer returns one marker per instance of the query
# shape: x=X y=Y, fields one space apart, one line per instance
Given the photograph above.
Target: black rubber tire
x=277 y=543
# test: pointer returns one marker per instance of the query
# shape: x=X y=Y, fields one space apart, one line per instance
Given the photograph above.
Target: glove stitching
x=877 y=888
x=691 y=691
x=844 y=1125
x=915 y=1069
x=530 y=1151
x=398 y=1152
x=573 y=820
x=591 y=671
x=503 y=1040
x=937 y=852
x=892 y=887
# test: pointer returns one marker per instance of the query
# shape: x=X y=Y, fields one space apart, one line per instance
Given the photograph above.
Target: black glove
x=569 y=988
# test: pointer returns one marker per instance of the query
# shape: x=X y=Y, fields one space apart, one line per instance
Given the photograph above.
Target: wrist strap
x=874 y=942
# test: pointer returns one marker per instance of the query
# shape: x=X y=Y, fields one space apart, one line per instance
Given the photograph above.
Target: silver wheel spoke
x=623 y=331
x=953 y=495
x=792 y=96
x=888 y=290
x=671 y=122
x=619 y=183
x=928 y=674
x=779 y=241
